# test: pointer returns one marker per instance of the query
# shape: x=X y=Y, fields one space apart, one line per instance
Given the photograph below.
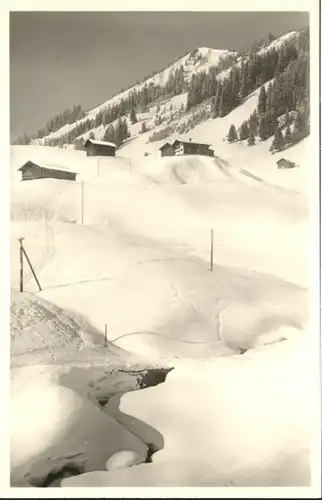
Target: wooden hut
x=31 y=171
x=99 y=148
x=191 y=148
x=283 y=163
x=166 y=149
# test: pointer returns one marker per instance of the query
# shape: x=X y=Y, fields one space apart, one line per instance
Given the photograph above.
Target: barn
x=31 y=171
x=283 y=163
x=191 y=148
x=166 y=149
x=99 y=148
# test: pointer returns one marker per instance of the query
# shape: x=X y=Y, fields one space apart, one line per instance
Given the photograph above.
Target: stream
x=104 y=389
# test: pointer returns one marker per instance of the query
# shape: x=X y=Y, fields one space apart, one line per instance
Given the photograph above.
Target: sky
x=58 y=59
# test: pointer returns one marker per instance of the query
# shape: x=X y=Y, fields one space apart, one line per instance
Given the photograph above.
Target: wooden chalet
x=99 y=148
x=283 y=163
x=167 y=150
x=191 y=148
x=32 y=171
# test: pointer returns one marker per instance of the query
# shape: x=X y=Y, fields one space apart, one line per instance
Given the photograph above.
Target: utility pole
x=211 y=250
x=21 y=263
x=105 y=336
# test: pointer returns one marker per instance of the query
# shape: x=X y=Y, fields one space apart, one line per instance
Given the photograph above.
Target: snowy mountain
x=166 y=97
x=123 y=257
x=194 y=62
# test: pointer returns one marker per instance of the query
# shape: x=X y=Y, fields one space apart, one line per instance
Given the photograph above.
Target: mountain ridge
x=162 y=102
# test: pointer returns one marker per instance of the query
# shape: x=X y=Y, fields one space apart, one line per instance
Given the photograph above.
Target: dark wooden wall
x=32 y=172
x=99 y=150
x=168 y=151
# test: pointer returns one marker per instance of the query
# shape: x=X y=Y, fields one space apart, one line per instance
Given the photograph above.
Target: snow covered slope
x=137 y=262
x=144 y=249
x=194 y=62
x=199 y=60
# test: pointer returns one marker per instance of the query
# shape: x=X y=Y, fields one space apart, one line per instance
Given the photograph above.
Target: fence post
x=105 y=336
x=211 y=249
x=21 y=264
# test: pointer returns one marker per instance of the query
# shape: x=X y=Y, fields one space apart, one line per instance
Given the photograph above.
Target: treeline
x=255 y=69
x=68 y=116
x=285 y=100
x=137 y=100
x=289 y=65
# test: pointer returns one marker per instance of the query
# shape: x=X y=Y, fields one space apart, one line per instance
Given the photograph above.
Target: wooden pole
x=82 y=207
x=21 y=264
x=212 y=250
x=105 y=336
x=32 y=269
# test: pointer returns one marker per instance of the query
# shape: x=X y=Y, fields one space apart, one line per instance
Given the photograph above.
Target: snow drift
x=61 y=428
x=238 y=421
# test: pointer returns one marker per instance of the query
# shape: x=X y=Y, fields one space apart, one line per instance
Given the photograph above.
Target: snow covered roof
x=47 y=166
x=167 y=144
x=285 y=160
x=101 y=143
x=190 y=142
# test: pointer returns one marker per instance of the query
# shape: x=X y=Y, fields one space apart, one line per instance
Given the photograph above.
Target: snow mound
x=60 y=428
x=38 y=324
x=192 y=169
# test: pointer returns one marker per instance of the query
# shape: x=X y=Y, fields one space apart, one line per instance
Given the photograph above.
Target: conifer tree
x=269 y=97
x=251 y=138
x=288 y=136
x=244 y=131
x=278 y=141
x=262 y=100
x=301 y=128
x=271 y=123
x=253 y=121
x=222 y=104
x=232 y=134
x=109 y=135
x=216 y=101
x=262 y=127
x=144 y=128
x=133 y=117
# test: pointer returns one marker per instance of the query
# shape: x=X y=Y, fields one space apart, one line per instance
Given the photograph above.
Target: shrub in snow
x=232 y=134
x=251 y=138
x=244 y=131
x=278 y=141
